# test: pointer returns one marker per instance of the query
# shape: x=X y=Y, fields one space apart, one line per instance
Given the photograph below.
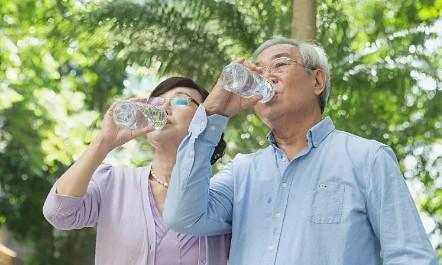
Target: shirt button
x=270 y=247
x=284 y=184
x=277 y=215
x=212 y=128
x=190 y=154
x=203 y=261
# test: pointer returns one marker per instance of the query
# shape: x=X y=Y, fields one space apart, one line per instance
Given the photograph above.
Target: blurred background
x=63 y=62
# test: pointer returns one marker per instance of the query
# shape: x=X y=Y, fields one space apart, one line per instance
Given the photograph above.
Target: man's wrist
x=211 y=110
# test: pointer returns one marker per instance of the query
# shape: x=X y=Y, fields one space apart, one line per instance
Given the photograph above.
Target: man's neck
x=290 y=136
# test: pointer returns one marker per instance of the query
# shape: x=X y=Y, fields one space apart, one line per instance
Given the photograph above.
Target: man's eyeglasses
x=175 y=101
x=280 y=65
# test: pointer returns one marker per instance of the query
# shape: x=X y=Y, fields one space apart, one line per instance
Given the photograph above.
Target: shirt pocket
x=327 y=204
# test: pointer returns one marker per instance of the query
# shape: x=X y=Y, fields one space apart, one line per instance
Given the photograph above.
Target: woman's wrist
x=102 y=145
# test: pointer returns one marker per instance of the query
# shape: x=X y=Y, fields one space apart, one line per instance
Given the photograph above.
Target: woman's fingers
x=142 y=131
x=141 y=100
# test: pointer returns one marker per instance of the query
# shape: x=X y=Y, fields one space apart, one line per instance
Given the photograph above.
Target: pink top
x=118 y=203
x=172 y=247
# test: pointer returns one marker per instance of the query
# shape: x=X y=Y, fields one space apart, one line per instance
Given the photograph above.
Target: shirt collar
x=315 y=135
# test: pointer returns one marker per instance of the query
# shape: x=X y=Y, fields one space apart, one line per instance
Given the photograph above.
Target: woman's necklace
x=155 y=178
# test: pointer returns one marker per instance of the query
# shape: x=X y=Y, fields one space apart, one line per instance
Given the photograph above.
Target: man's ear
x=319 y=81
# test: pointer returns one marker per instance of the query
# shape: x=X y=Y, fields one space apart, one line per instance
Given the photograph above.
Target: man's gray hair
x=314 y=57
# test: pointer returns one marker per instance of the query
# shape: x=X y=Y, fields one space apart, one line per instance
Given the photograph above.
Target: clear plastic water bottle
x=238 y=79
x=134 y=115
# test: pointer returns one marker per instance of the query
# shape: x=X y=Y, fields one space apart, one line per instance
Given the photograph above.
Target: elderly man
x=314 y=196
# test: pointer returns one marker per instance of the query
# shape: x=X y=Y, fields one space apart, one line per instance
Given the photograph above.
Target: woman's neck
x=162 y=164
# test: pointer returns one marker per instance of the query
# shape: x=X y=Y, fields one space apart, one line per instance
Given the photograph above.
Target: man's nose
x=269 y=74
x=266 y=70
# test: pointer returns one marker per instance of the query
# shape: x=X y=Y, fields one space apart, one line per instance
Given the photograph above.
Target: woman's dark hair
x=173 y=82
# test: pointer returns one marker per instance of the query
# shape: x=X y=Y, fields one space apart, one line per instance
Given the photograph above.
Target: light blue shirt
x=340 y=201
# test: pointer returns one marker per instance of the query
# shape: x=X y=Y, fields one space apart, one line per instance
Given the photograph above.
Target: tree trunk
x=304 y=20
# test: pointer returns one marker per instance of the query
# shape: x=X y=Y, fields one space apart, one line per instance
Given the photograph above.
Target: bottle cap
x=234 y=77
x=124 y=114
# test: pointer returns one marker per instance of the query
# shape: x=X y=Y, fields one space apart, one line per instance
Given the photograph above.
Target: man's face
x=295 y=92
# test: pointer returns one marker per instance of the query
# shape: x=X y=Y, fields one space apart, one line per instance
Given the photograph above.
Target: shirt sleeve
x=197 y=204
x=394 y=216
x=68 y=212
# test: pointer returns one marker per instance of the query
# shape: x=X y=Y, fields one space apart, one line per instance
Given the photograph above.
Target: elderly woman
x=126 y=204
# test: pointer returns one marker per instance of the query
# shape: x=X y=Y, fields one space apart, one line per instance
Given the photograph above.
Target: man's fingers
x=252 y=67
x=241 y=60
x=254 y=100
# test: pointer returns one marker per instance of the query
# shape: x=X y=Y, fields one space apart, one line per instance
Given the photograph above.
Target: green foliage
x=61 y=63
x=180 y=37
x=54 y=81
x=377 y=51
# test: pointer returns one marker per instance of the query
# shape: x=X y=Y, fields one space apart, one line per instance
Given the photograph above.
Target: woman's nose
x=167 y=107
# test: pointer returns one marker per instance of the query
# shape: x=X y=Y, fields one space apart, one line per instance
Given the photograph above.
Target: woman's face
x=179 y=116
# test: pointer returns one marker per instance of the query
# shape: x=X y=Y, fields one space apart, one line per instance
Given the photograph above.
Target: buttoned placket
x=287 y=171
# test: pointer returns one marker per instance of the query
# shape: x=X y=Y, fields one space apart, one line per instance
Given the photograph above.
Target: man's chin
x=264 y=111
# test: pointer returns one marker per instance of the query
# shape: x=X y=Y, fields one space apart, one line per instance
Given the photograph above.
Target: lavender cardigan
x=117 y=202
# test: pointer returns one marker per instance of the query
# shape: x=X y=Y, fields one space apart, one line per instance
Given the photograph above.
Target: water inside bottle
x=238 y=79
x=156 y=115
x=133 y=115
x=124 y=115
x=264 y=87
